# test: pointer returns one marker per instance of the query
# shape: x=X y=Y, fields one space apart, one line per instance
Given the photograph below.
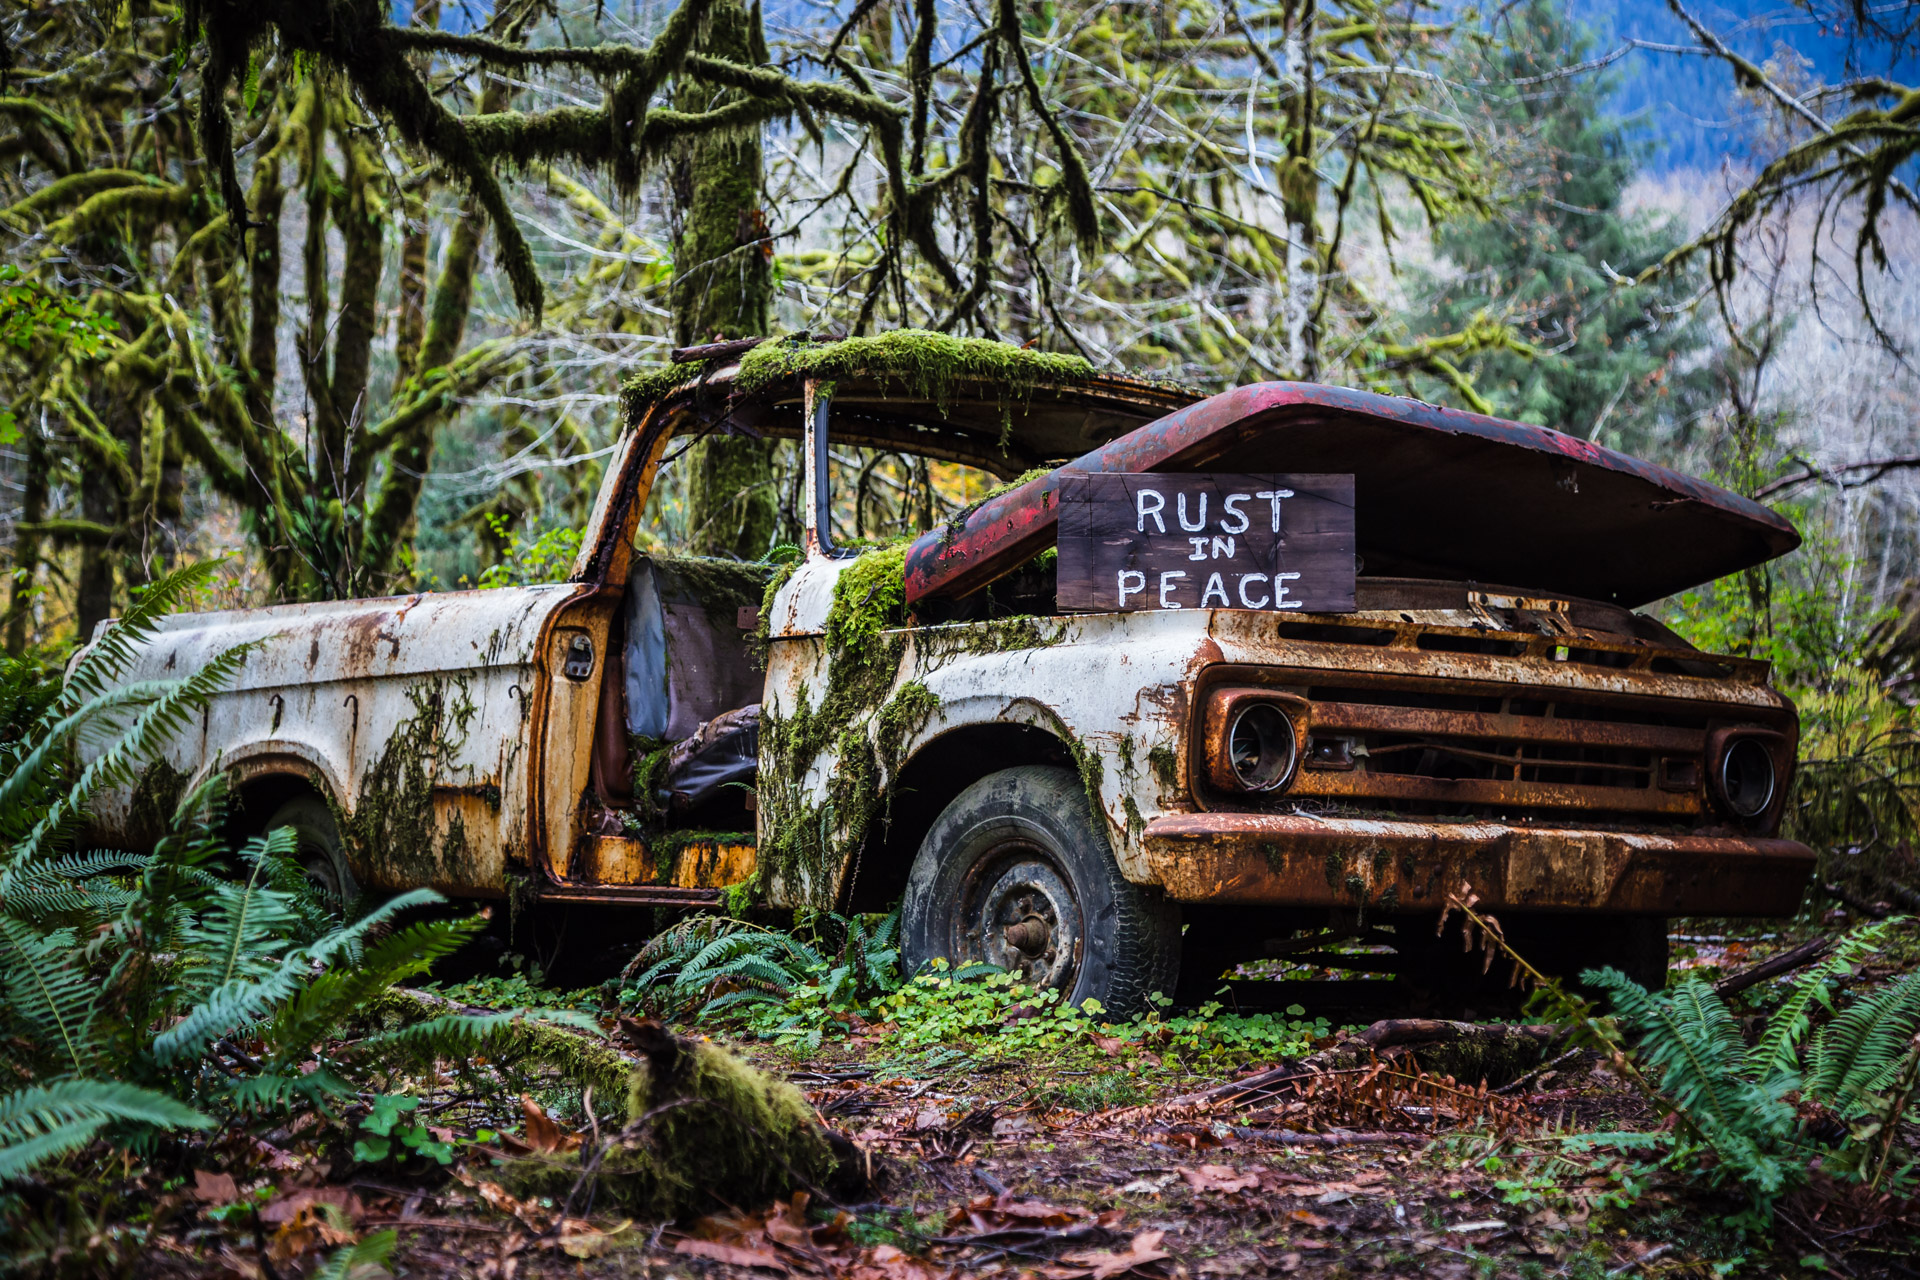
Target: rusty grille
x=1503 y=754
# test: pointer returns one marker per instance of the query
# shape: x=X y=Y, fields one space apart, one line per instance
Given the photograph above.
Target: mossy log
x=705 y=1131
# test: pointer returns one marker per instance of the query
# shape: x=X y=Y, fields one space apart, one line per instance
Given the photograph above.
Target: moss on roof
x=924 y=365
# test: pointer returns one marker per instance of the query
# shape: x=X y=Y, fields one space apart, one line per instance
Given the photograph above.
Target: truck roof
x=1439 y=493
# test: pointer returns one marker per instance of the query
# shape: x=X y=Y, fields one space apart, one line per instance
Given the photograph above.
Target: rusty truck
x=1090 y=799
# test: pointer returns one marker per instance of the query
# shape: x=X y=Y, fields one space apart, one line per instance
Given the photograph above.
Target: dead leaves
x=1219 y=1177
x=1141 y=1254
x=784 y=1242
x=544 y=1134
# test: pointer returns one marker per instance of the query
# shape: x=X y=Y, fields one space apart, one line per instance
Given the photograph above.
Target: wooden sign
x=1153 y=540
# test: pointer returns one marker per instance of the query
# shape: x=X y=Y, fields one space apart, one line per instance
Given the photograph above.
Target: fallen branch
x=1389 y=1033
x=1871 y=910
x=1786 y=962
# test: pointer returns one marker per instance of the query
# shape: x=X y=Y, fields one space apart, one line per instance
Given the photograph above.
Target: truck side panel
x=412 y=715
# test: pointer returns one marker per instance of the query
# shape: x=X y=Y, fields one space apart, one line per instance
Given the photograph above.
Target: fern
x=1778 y=1049
x=1858 y=1055
x=42 y=1122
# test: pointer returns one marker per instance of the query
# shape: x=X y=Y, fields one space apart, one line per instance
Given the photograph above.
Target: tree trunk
x=723 y=288
x=26 y=544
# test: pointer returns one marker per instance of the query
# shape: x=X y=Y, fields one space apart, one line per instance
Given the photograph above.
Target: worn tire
x=318 y=847
x=1021 y=846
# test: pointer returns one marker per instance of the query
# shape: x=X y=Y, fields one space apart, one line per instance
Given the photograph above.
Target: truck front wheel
x=1016 y=872
x=318 y=848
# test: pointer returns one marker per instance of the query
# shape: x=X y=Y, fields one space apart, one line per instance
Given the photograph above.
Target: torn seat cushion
x=724 y=750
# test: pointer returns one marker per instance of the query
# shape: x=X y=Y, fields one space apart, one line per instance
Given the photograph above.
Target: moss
x=864 y=656
x=1166 y=766
x=763 y=629
x=667 y=846
x=909 y=709
x=956 y=522
x=392 y=824
x=922 y=364
x=719 y=585
x=1136 y=822
x=156 y=797
x=711 y=1132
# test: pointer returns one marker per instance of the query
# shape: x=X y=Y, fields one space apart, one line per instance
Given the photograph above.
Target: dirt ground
x=990 y=1165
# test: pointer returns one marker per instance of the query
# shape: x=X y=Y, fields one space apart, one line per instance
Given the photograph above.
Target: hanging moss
x=1166 y=766
x=392 y=825
x=923 y=365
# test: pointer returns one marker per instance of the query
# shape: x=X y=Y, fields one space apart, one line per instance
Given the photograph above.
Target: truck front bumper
x=1300 y=860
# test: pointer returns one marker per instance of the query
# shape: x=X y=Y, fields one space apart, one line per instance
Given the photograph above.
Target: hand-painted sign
x=1152 y=540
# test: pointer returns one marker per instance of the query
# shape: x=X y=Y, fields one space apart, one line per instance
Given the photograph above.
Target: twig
x=1786 y=962
x=1652 y=1255
x=1516 y=1084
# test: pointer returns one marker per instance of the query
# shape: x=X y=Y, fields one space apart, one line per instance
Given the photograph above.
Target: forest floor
x=1083 y=1161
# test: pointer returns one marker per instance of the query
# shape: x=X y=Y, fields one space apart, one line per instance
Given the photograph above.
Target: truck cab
x=1094 y=800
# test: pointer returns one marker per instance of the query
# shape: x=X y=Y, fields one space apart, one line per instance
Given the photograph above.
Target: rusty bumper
x=1296 y=860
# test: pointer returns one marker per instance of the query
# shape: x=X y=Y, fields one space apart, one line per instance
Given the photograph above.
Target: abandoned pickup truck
x=1062 y=794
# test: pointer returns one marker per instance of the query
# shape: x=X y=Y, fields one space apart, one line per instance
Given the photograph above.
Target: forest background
x=401 y=373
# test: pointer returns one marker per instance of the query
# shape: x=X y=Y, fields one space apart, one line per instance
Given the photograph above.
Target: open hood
x=1438 y=494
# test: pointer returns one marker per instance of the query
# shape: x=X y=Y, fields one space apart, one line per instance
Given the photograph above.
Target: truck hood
x=1438 y=494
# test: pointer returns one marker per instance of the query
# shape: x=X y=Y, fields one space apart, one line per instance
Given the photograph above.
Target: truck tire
x=318 y=847
x=1016 y=872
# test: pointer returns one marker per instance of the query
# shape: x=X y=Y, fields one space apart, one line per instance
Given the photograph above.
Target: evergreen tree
x=1611 y=362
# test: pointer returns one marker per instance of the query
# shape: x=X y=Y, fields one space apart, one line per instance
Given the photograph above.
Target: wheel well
x=255 y=799
x=937 y=773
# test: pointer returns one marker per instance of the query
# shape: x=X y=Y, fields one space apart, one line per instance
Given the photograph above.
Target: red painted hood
x=1438 y=494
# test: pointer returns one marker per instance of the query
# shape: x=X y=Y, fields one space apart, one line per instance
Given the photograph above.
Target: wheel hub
x=1023 y=917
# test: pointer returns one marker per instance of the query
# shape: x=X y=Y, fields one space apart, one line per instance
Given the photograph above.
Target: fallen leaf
x=288 y=1205
x=544 y=1134
x=1219 y=1177
x=1012 y=1127
x=214 y=1188
x=1308 y=1218
x=731 y=1254
x=1289 y=1262
x=579 y=1239
x=314 y=1225
x=1112 y=1045
x=1145 y=1249
x=929 y=1119
x=500 y=1200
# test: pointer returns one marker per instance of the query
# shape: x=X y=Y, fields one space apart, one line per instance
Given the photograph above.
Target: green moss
x=713 y=1132
x=864 y=652
x=649 y=756
x=156 y=797
x=667 y=846
x=392 y=825
x=922 y=364
x=1166 y=766
x=720 y=585
x=763 y=630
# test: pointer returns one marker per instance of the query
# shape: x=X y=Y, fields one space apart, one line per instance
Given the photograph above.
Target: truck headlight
x=1747 y=777
x=1261 y=746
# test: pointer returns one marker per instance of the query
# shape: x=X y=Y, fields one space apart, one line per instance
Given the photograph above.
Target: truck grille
x=1414 y=752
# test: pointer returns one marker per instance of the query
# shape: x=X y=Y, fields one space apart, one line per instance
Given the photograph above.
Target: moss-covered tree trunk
x=723 y=288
